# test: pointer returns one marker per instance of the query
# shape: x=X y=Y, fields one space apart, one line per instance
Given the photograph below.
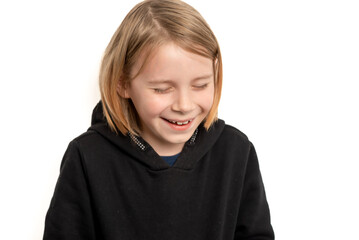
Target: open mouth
x=179 y=123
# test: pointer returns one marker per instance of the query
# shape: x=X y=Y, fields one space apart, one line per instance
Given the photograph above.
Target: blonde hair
x=148 y=25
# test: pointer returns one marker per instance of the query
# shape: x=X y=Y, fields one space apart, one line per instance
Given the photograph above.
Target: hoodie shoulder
x=230 y=132
x=85 y=136
x=87 y=140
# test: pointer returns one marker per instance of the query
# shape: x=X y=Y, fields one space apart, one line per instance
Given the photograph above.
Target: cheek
x=151 y=105
x=207 y=99
x=209 y=103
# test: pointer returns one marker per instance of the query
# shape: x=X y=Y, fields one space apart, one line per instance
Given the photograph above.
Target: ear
x=122 y=89
x=215 y=61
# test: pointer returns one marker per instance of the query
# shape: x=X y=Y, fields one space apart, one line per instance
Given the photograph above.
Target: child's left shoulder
x=233 y=134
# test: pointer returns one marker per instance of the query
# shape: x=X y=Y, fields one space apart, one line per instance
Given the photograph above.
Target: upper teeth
x=180 y=123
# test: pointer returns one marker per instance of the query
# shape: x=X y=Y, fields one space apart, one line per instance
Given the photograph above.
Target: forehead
x=171 y=61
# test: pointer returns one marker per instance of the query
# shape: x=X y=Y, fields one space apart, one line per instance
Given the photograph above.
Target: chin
x=181 y=139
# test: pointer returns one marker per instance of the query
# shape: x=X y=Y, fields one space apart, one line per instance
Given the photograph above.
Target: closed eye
x=161 y=90
x=202 y=86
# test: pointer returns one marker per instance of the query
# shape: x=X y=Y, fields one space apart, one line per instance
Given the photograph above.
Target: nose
x=183 y=102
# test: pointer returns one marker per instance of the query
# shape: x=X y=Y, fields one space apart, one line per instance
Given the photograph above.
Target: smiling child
x=156 y=162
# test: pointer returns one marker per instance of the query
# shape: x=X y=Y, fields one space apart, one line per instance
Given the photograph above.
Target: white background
x=291 y=73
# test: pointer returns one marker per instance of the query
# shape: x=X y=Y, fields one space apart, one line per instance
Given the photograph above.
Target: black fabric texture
x=109 y=188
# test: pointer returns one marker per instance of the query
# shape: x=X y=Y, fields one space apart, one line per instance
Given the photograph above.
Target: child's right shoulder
x=86 y=136
x=88 y=140
x=89 y=134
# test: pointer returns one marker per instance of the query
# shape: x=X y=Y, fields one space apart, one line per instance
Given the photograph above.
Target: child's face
x=172 y=95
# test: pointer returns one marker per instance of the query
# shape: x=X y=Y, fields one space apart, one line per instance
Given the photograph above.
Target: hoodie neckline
x=135 y=146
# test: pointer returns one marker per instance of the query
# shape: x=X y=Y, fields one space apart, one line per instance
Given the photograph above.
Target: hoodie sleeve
x=253 y=218
x=70 y=215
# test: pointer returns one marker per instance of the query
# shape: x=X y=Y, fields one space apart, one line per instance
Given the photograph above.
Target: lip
x=176 y=126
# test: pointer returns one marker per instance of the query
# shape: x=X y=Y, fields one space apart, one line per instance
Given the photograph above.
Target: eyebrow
x=159 y=81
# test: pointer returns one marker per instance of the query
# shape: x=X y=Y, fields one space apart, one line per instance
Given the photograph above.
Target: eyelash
x=162 y=91
x=201 y=86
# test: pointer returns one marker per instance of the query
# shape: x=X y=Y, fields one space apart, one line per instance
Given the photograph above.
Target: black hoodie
x=116 y=187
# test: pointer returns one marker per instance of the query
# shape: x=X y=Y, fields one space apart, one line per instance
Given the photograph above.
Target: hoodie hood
x=137 y=148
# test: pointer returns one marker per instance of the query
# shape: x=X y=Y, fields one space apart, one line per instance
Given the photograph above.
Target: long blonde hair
x=148 y=25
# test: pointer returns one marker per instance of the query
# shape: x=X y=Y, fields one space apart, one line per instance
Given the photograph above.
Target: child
x=156 y=162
